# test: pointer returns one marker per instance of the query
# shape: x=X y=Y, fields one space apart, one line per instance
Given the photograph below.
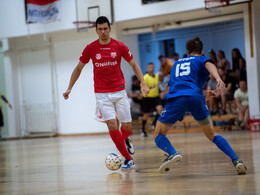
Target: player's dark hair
x=102 y=20
x=150 y=63
x=175 y=54
x=194 y=45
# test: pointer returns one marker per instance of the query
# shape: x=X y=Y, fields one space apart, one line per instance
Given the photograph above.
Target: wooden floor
x=75 y=165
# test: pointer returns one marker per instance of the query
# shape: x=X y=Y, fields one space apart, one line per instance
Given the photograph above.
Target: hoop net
x=214 y=6
x=83 y=26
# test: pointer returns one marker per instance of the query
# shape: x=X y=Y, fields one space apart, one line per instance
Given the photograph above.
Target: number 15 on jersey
x=182 y=69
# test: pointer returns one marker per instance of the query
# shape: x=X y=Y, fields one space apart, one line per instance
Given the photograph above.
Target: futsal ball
x=113 y=161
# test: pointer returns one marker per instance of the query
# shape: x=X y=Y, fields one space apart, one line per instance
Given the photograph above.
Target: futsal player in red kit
x=109 y=86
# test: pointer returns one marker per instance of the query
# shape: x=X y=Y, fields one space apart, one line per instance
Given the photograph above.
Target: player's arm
x=213 y=70
x=137 y=70
x=74 y=77
x=6 y=101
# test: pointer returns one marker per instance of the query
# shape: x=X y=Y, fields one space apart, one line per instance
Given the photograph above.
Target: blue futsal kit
x=188 y=75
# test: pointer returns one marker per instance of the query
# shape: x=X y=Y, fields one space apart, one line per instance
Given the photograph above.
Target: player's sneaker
x=144 y=134
x=169 y=162
x=130 y=146
x=128 y=164
x=240 y=166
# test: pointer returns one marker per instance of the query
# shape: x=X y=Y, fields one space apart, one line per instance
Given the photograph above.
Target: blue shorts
x=176 y=108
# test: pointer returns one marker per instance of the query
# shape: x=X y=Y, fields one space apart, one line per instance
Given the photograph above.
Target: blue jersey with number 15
x=188 y=75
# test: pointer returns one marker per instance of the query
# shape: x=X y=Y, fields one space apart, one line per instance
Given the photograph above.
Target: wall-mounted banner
x=43 y=10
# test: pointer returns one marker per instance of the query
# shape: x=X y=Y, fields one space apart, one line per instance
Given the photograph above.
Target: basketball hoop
x=83 y=26
x=214 y=6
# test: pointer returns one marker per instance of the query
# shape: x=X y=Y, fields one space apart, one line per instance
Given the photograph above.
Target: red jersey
x=108 y=76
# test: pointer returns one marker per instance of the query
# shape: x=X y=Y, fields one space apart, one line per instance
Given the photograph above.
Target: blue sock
x=225 y=147
x=163 y=143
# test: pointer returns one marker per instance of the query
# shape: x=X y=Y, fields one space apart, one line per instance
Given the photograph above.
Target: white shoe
x=240 y=166
x=128 y=164
x=169 y=162
x=129 y=146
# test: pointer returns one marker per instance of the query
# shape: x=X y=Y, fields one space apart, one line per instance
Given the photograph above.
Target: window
x=167 y=47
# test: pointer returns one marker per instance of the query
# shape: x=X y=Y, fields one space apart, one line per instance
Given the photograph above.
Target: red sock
x=120 y=143
x=125 y=133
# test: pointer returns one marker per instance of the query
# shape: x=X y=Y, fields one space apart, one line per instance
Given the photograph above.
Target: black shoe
x=130 y=146
x=240 y=166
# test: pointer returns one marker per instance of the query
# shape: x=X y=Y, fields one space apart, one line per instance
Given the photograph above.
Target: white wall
x=133 y=9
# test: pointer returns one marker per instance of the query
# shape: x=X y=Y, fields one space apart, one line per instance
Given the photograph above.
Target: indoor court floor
x=75 y=165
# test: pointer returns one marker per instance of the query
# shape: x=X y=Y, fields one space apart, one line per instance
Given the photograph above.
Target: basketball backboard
x=87 y=11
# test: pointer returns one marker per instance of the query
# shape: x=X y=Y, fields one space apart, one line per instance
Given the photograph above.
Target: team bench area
x=189 y=124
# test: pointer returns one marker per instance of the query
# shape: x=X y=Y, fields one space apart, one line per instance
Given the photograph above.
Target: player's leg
x=173 y=111
x=147 y=107
x=200 y=112
x=126 y=129
x=164 y=144
x=222 y=144
x=122 y=108
x=159 y=109
x=144 y=121
x=124 y=115
x=160 y=138
x=105 y=112
x=117 y=137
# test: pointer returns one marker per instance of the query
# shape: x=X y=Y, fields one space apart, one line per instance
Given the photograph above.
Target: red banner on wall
x=43 y=10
